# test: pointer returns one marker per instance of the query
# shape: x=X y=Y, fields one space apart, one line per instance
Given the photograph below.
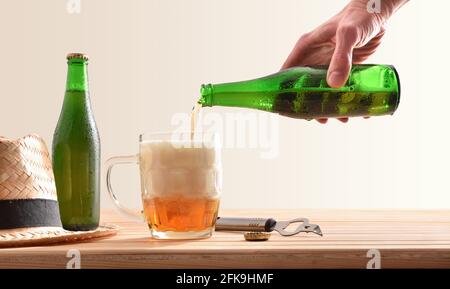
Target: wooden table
x=404 y=238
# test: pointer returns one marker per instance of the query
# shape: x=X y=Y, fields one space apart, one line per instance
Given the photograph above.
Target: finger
x=360 y=54
x=377 y=38
x=358 y=59
x=341 y=61
x=322 y=120
x=299 y=51
x=303 y=46
x=366 y=50
x=343 y=119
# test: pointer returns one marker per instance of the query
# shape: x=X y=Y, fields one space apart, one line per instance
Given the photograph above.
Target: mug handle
x=110 y=163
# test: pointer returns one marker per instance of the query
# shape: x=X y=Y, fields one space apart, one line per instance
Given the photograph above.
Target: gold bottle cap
x=82 y=56
x=256 y=236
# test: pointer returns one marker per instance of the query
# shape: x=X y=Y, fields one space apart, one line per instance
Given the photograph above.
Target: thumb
x=341 y=61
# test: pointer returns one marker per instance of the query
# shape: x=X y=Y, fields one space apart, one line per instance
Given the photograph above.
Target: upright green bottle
x=303 y=92
x=76 y=152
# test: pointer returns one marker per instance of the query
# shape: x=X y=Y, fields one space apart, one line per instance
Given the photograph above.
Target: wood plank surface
x=405 y=239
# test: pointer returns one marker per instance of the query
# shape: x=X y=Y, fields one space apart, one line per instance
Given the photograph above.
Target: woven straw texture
x=25 y=169
x=26 y=173
x=51 y=235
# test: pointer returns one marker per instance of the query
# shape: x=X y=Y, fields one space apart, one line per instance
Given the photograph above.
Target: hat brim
x=40 y=236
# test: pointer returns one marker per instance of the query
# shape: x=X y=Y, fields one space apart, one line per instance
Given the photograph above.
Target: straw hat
x=29 y=213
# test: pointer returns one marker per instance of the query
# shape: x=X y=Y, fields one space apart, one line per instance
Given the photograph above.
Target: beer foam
x=179 y=168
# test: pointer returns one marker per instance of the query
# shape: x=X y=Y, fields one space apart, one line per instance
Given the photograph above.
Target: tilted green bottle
x=76 y=152
x=303 y=92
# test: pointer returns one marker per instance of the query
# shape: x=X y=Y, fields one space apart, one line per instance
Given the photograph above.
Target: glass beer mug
x=181 y=183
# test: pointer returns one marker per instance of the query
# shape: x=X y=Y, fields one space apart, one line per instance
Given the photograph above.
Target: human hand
x=349 y=37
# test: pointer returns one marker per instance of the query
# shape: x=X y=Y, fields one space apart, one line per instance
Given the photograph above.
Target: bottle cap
x=256 y=236
x=82 y=56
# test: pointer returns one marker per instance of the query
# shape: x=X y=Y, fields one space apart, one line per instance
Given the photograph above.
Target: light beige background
x=148 y=59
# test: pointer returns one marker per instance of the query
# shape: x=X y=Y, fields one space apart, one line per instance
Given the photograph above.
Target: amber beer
x=180 y=214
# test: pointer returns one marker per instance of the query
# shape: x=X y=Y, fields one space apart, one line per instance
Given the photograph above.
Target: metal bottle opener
x=266 y=225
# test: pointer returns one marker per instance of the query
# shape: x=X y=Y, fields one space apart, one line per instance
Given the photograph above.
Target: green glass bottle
x=76 y=152
x=303 y=92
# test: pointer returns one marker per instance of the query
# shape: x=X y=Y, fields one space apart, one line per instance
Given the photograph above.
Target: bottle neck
x=244 y=94
x=77 y=77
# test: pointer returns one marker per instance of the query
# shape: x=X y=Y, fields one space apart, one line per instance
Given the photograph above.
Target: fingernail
x=336 y=79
